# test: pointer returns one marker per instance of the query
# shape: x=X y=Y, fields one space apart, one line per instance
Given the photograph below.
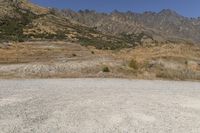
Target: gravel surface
x=99 y=106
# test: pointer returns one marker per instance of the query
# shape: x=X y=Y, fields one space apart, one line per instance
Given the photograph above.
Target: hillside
x=104 y=31
x=37 y=42
x=23 y=21
x=166 y=25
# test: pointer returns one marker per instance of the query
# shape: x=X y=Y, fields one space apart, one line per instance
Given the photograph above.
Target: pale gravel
x=99 y=106
x=73 y=65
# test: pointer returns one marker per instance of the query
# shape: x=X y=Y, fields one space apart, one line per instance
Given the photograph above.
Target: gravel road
x=99 y=106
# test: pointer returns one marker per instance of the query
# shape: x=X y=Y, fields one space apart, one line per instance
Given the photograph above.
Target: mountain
x=167 y=25
x=47 y=42
x=20 y=20
x=23 y=21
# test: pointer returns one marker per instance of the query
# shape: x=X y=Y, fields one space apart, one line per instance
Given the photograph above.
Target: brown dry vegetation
x=40 y=52
x=56 y=59
x=92 y=50
x=169 y=61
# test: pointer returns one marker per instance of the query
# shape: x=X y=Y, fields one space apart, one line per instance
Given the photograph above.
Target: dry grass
x=181 y=51
x=34 y=8
x=41 y=52
x=186 y=74
x=165 y=61
x=179 y=62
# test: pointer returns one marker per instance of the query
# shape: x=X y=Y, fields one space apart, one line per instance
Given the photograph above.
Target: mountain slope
x=48 y=50
x=23 y=21
x=166 y=25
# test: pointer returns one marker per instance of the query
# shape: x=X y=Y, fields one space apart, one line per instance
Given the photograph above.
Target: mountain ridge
x=22 y=20
x=165 y=23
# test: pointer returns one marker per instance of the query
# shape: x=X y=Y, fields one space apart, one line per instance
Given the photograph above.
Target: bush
x=74 y=55
x=186 y=62
x=11 y=29
x=133 y=64
x=92 y=52
x=106 y=69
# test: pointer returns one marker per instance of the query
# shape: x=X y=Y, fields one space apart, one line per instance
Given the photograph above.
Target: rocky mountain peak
x=168 y=12
x=166 y=24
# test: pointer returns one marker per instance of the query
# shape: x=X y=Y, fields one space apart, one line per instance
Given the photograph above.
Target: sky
x=188 y=8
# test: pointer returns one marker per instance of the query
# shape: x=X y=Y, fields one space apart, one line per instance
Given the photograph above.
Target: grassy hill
x=23 y=21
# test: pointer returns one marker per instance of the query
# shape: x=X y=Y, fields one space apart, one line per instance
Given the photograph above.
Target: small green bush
x=106 y=69
x=133 y=64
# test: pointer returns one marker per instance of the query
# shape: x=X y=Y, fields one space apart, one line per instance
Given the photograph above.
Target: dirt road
x=99 y=106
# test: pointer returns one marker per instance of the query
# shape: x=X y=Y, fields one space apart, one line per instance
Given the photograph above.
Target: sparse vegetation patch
x=133 y=64
x=105 y=69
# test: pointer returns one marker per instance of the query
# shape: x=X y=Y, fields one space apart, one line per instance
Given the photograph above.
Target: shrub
x=106 y=69
x=92 y=52
x=186 y=62
x=74 y=55
x=133 y=64
x=11 y=29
